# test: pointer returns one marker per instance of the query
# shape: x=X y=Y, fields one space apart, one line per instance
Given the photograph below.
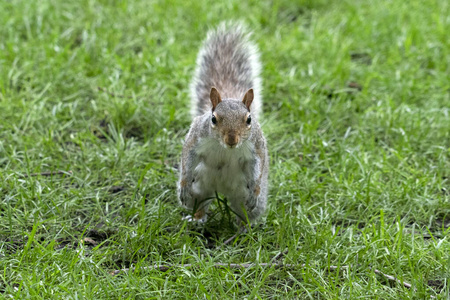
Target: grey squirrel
x=225 y=150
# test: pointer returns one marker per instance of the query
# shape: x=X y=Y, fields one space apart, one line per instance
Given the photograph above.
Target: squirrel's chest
x=221 y=168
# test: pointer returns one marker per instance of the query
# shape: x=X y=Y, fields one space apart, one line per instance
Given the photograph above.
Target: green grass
x=359 y=176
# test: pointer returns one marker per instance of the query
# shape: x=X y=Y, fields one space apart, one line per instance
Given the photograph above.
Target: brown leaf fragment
x=354 y=85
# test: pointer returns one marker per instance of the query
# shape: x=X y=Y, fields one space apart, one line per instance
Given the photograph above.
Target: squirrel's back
x=228 y=61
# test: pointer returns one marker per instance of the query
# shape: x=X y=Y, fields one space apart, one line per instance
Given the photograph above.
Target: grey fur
x=229 y=61
x=228 y=155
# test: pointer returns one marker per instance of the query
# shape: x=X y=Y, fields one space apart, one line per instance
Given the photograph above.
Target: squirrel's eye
x=214 y=120
x=249 y=120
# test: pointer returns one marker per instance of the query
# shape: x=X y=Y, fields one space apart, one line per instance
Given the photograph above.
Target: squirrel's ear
x=248 y=98
x=215 y=97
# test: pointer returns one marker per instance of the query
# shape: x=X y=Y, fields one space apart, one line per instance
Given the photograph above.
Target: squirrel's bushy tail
x=228 y=61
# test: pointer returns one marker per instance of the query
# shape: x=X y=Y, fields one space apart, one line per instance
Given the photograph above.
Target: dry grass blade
x=390 y=277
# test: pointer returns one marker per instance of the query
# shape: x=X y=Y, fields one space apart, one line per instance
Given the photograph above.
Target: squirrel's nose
x=231 y=140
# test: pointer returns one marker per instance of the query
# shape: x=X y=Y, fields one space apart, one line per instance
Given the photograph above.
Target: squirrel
x=225 y=150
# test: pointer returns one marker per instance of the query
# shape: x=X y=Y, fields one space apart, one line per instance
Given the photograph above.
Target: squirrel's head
x=231 y=121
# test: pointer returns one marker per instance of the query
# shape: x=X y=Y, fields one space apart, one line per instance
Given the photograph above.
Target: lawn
x=94 y=107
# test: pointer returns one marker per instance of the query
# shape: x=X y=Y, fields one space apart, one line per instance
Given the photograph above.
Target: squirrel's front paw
x=200 y=216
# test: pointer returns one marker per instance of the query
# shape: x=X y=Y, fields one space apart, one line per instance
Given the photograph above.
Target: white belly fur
x=223 y=170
